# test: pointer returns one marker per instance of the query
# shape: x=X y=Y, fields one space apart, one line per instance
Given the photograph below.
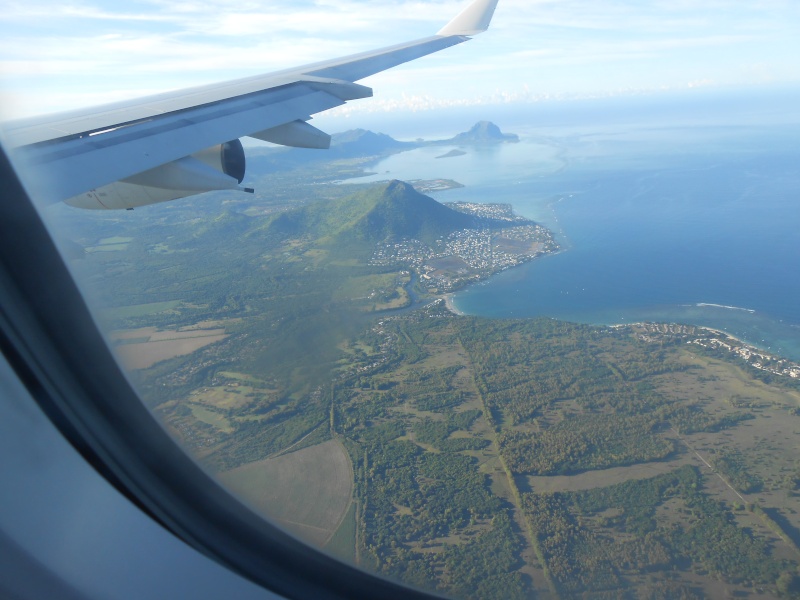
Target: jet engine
x=219 y=167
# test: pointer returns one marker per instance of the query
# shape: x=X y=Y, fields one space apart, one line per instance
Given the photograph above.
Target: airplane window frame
x=48 y=336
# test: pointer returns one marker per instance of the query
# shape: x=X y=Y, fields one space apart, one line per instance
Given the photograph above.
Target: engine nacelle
x=220 y=167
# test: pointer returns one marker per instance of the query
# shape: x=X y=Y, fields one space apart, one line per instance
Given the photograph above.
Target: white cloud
x=91 y=49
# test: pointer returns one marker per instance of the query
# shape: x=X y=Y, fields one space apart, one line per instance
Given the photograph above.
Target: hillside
x=400 y=211
x=391 y=211
x=361 y=142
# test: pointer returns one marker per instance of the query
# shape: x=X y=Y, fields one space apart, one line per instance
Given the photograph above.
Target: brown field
x=163 y=336
x=150 y=346
x=307 y=492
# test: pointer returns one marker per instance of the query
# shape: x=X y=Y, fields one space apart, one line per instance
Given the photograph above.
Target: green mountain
x=483 y=132
x=361 y=142
x=399 y=211
x=391 y=211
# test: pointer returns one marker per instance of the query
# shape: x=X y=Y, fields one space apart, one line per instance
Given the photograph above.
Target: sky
x=69 y=54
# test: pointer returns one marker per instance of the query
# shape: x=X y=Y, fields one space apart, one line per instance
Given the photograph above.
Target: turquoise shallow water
x=691 y=222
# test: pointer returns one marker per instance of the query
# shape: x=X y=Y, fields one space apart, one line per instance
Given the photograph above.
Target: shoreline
x=449 y=303
x=703 y=327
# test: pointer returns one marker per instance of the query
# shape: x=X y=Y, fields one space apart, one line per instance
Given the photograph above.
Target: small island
x=453 y=153
x=427 y=186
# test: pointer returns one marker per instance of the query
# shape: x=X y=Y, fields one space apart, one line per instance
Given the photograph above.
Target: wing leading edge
x=84 y=150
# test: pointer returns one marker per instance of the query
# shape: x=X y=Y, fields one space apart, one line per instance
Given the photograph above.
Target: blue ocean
x=679 y=209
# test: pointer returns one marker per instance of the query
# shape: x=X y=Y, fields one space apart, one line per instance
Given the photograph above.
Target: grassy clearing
x=384 y=291
x=401 y=300
x=605 y=477
x=111 y=244
x=212 y=418
x=223 y=397
x=108 y=248
x=316 y=255
x=115 y=240
x=241 y=377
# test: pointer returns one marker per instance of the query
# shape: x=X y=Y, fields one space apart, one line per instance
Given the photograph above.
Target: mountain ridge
x=356 y=143
x=394 y=210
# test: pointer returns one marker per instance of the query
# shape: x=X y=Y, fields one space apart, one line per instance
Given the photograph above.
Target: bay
x=691 y=220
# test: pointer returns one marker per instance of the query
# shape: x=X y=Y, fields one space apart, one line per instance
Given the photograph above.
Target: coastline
x=450 y=304
x=702 y=327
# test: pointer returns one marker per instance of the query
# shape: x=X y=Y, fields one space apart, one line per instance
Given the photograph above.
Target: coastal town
x=496 y=212
x=469 y=255
x=713 y=339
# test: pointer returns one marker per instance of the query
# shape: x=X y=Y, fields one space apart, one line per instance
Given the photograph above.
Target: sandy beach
x=448 y=302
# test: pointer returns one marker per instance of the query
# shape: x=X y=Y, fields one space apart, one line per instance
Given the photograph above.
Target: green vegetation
x=605 y=539
x=580 y=556
x=730 y=464
x=139 y=310
x=436 y=433
x=585 y=443
x=343 y=543
x=692 y=419
x=485 y=566
x=455 y=428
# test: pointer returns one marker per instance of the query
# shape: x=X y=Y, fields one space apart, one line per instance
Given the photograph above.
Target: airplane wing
x=155 y=140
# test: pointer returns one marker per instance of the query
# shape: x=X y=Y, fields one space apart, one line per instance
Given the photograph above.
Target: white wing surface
x=84 y=150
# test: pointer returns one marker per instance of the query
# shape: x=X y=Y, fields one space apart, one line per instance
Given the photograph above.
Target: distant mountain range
x=483 y=132
x=362 y=143
x=390 y=211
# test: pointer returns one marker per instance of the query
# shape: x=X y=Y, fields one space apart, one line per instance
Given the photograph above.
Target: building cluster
x=718 y=340
x=495 y=212
x=756 y=358
x=479 y=253
x=427 y=186
x=377 y=360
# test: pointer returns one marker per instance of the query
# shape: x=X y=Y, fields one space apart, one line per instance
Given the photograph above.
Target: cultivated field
x=307 y=492
x=142 y=348
x=139 y=310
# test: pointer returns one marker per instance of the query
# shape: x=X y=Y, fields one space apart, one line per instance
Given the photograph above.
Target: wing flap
x=86 y=149
x=341 y=71
x=297 y=134
x=76 y=165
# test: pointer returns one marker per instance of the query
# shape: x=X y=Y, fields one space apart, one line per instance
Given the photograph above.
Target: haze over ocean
x=678 y=210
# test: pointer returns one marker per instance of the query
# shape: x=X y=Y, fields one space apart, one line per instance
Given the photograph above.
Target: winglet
x=472 y=20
